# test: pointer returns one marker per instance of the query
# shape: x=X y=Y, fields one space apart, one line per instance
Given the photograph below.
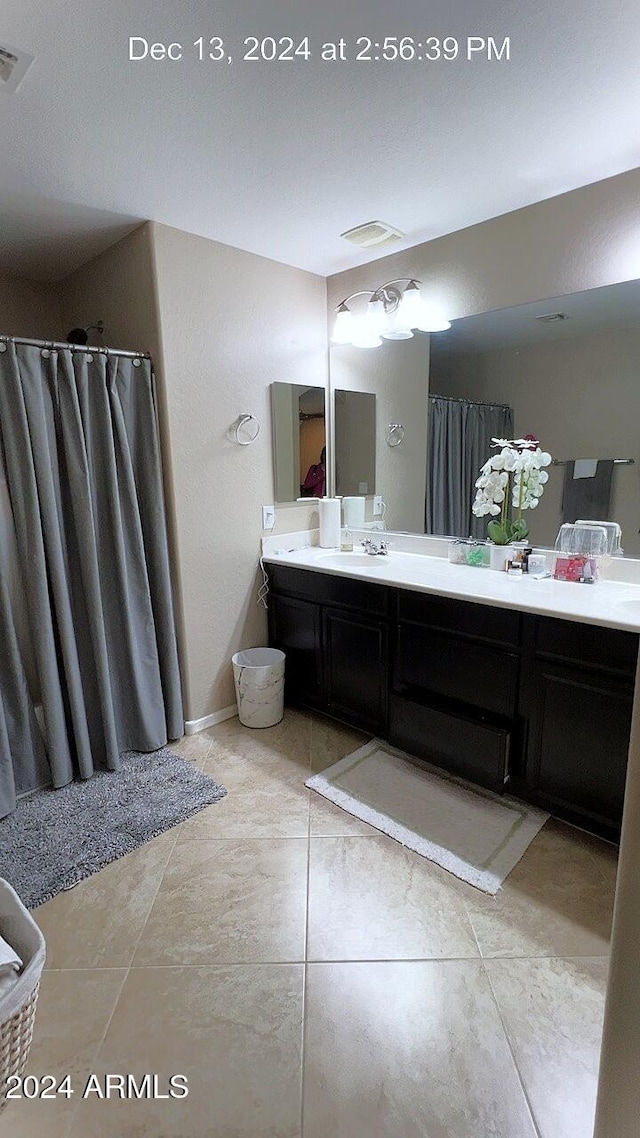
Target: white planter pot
x=499 y=555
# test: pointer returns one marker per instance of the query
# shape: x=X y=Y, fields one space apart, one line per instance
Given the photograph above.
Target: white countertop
x=612 y=604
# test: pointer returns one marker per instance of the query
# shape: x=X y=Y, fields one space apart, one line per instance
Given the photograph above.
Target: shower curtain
x=86 y=624
x=460 y=434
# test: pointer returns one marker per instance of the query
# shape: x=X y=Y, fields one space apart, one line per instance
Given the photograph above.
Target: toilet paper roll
x=353 y=511
x=329 y=514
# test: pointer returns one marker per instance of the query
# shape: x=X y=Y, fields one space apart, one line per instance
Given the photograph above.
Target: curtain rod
x=475 y=402
x=55 y=344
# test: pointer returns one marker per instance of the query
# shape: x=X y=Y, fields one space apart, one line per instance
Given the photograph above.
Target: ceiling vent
x=13 y=67
x=552 y=317
x=373 y=233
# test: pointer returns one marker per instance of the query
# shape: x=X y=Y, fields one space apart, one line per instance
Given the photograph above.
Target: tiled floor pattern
x=313 y=979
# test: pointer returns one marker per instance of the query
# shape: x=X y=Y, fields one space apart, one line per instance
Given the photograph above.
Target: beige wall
x=118 y=288
x=31 y=309
x=580 y=396
x=232 y=323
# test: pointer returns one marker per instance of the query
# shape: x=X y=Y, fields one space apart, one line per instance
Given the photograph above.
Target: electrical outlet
x=268 y=517
x=378 y=505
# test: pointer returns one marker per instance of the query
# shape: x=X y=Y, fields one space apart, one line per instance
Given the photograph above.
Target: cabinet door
x=440 y=664
x=295 y=628
x=579 y=730
x=356 y=669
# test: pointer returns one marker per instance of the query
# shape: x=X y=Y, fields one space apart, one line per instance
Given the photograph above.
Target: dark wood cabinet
x=355 y=655
x=295 y=628
x=475 y=747
x=455 y=677
x=579 y=726
x=576 y=702
x=537 y=705
x=474 y=673
x=334 y=631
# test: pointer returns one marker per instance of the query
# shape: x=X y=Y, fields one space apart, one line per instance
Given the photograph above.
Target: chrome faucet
x=375 y=550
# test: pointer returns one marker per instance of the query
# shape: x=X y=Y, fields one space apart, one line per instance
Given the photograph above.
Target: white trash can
x=258 y=674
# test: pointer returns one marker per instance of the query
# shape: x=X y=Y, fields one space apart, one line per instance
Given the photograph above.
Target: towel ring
x=241 y=422
x=394 y=434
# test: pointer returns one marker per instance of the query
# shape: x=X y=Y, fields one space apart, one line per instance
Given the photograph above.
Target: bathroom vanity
x=518 y=686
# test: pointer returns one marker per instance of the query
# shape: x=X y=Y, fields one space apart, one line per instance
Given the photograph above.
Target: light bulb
x=343 y=327
x=410 y=310
x=376 y=316
x=433 y=319
x=396 y=327
x=363 y=334
x=424 y=315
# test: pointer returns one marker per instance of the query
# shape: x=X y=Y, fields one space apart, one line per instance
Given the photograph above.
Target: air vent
x=13 y=67
x=373 y=233
x=552 y=317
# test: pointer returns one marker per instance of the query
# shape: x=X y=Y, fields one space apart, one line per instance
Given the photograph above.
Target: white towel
x=10 y=965
x=9 y=959
x=585 y=467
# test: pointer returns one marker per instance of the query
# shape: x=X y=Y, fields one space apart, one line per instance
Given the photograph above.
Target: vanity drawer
x=609 y=649
x=327 y=588
x=473 y=673
x=483 y=622
x=470 y=748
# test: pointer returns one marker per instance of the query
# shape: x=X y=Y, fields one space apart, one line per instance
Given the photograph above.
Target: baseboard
x=192 y=726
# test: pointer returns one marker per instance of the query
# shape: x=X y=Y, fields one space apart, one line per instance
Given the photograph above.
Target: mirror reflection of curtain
x=84 y=576
x=460 y=433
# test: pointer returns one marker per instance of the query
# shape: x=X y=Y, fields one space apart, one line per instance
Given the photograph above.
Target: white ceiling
x=280 y=158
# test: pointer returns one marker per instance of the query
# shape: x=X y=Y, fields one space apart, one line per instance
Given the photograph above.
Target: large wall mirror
x=299 y=441
x=566 y=370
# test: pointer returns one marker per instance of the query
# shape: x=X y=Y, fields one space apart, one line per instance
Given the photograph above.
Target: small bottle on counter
x=346 y=540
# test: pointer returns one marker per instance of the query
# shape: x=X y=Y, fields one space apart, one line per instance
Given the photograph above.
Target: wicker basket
x=18 y=1008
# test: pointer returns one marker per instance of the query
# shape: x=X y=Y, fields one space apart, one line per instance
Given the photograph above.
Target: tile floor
x=313 y=979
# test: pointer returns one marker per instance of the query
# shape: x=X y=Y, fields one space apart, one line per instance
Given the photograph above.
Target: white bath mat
x=475 y=835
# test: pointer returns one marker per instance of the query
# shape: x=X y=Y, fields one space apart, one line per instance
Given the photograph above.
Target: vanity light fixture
x=392 y=312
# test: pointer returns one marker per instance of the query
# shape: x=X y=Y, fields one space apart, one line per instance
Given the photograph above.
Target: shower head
x=81 y=335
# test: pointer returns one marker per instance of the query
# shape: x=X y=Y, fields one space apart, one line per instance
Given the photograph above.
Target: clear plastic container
x=582 y=539
x=462 y=551
x=613 y=532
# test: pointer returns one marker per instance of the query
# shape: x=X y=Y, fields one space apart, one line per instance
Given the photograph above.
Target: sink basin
x=630 y=607
x=336 y=560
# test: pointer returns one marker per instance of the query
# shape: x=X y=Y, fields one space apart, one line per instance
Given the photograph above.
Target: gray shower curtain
x=460 y=434
x=79 y=446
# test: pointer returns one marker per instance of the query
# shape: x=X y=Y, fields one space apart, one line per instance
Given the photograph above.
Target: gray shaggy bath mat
x=56 y=838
